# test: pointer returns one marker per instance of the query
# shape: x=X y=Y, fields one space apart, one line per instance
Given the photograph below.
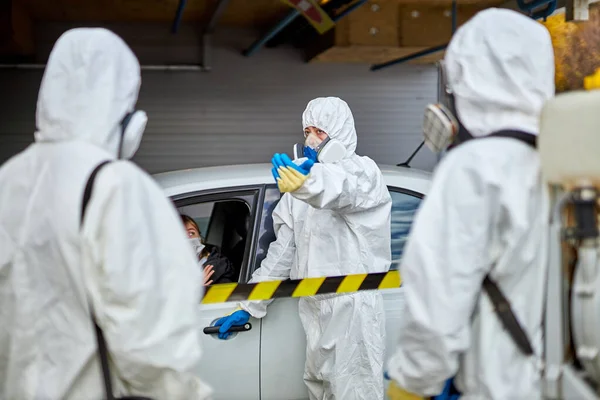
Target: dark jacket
x=224 y=272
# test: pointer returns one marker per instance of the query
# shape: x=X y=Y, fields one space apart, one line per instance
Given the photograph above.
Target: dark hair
x=186 y=219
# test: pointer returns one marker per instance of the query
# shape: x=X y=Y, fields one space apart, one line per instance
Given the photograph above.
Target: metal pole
x=254 y=47
x=409 y=57
x=178 y=16
x=214 y=18
x=454 y=16
x=348 y=10
x=407 y=162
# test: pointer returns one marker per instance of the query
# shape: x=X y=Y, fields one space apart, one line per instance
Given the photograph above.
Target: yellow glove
x=238 y=308
x=290 y=179
x=397 y=393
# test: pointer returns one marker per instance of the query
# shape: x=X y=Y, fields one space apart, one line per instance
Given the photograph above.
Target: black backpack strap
x=501 y=304
x=524 y=137
x=87 y=194
x=102 y=349
x=507 y=316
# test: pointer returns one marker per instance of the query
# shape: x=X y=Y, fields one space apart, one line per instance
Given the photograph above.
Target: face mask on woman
x=197 y=245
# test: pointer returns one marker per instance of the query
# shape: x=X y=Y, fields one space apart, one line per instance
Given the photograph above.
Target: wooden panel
x=384 y=28
x=342 y=32
x=374 y=24
x=241 y=13
x=371 y=54
x=430 y=26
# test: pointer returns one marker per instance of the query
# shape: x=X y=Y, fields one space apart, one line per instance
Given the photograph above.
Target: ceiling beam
x=178 y=16
x=387 y=30
x=536 y=12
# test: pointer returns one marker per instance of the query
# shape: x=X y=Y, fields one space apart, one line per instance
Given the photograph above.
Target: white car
x=232 y=206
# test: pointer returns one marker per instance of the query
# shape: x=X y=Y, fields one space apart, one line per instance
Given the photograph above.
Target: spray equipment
x=569 y=147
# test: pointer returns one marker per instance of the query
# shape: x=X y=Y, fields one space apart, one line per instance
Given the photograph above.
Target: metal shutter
x=244 y=110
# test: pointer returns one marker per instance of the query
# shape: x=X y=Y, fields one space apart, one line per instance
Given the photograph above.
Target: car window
x=404 y=206
x=226 y=222
x=266 y=234
x=200 y=212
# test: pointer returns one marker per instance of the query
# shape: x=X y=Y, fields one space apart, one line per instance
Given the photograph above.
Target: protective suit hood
x=496 y=83
x=90 y=84
x=332 y=115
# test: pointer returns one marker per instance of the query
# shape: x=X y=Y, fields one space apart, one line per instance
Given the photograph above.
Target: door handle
x=211 y=330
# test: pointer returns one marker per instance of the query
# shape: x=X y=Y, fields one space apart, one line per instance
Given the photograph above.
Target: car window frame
x=405 y=191
x=230 y=193
x=252 y=267
x=409 y=192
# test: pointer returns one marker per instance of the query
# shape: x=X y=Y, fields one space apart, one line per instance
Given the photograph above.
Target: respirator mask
x=442 y=128
x=132 y=130
x=197 y=245
x=328 y=151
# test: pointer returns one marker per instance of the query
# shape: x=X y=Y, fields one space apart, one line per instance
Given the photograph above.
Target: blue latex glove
x=449 y=392
x=238 y=318
x=289 y=176
x=386 y=376
x=311 y=154
x=282 y=160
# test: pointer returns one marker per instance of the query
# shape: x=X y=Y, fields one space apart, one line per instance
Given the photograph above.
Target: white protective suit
x=337 y=223
x=487 y=212
x=131 y=259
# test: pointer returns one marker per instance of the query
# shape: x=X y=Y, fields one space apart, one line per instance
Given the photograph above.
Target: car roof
x=197 y=179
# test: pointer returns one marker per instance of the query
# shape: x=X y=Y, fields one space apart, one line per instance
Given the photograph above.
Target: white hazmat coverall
x=337 y=223
x=487 y=212
x=131 y=259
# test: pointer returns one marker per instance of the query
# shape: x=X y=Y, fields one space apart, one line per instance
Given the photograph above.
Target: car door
x=404 y=206
x=283 y=342
x=230 y=367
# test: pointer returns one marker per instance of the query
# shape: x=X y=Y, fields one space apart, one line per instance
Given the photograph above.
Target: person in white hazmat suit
x=130 y=262
x=486 y=213
x=334 y=220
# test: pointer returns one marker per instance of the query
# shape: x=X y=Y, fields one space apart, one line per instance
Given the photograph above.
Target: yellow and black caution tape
x=225 y=292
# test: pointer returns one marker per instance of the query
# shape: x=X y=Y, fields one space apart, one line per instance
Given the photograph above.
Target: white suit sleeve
x=145 y=285
x=346 y=186
x=279 y=260
x=443 y=267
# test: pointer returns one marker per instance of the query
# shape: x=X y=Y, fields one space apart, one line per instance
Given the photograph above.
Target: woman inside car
x=217 y=268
